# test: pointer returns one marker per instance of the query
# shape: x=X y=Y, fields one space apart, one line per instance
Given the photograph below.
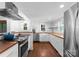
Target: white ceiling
x=43 y=11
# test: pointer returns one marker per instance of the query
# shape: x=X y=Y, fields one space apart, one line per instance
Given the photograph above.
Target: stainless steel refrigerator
x=71 y=31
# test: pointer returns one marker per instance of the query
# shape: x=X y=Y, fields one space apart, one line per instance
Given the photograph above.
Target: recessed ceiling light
x=62 y=6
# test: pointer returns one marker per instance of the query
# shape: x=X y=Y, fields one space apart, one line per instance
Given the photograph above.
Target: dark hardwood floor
x=43 y=49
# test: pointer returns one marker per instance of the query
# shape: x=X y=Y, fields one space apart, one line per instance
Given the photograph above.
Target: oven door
x=24 y=48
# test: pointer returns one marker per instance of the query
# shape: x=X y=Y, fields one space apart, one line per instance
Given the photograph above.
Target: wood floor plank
x=43 y=49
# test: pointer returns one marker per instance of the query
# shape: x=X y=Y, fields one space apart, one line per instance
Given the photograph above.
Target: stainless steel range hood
x=10 y=11
x=6 y=13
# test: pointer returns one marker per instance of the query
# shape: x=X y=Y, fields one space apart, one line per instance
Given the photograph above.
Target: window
x=3 y=26
x=25 y=26
x=61 y=26
x=42 y=27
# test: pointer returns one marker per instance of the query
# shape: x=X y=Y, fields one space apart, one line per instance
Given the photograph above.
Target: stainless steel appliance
x=71 y=31
x=22 y=46
x=10 y=11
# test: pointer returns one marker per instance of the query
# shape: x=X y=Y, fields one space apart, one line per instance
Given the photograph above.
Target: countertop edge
x=7 y=48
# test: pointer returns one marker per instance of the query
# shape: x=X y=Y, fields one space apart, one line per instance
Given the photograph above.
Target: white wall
x=60 y=24
x=51 y=26
x=17 y=25
x=54 y=26
x=37 y=26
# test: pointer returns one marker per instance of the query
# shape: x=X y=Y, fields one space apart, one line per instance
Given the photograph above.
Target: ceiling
x=43 y=11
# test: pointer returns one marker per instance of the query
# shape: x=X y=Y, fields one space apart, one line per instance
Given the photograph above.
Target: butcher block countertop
x=4 y=45
x=57 y=34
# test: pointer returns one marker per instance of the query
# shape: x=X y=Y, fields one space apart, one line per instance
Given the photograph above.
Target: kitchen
x=28 y=27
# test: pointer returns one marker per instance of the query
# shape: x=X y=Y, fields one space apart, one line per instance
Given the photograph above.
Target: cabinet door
x=57 y=43
x=44 y=37
x=13 y=51
x=36 y=37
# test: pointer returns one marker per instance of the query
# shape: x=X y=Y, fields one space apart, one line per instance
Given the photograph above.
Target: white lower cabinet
x=57 y=43
x=11 y=52
x=44 y=37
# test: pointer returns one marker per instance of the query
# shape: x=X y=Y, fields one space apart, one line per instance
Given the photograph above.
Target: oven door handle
x=23 y=43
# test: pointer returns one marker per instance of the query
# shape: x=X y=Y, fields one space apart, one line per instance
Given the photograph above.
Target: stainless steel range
x=22 y=45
